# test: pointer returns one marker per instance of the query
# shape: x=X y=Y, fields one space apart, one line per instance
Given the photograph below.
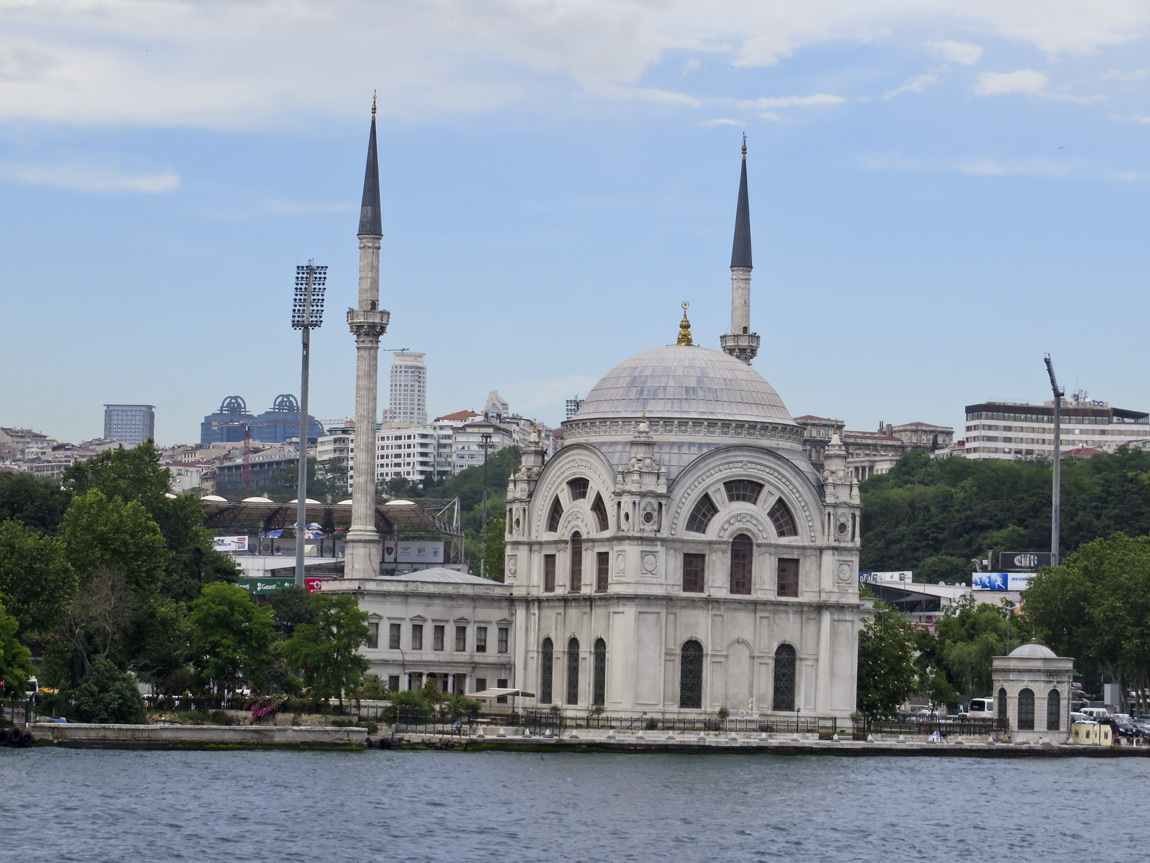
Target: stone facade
x=1032 y=691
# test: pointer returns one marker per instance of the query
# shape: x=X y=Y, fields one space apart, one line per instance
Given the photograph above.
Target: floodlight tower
x=1056 y=506
x=306 y=315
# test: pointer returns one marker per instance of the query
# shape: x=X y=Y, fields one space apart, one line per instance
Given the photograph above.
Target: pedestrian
x=458 y=728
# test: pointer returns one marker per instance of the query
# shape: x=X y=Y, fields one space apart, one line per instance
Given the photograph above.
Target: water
x=91 y=805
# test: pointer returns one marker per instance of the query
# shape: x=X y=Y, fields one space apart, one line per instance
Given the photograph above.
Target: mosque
x=678 y=555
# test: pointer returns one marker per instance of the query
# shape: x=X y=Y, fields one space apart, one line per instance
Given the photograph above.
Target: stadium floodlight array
x=307 y=306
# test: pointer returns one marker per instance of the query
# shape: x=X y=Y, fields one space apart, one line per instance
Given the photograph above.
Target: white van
x=981 y=708
x=1094 y=713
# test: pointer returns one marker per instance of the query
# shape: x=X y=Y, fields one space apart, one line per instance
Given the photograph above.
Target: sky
x=940 y=195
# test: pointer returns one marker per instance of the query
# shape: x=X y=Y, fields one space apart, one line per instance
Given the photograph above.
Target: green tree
x=107 y=694
x=163 y=641
x=231 y=637
x=36 y=503
x=970 y=634
x=36 y=581
x=290 y=607
x=495 y=546
x=886 y=672
x=326 y=651
x=15 y=658
x=98 y=532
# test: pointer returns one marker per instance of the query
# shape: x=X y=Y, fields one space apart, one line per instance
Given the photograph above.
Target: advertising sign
x=1022 y=561
x=261 y=586
x=1000 y=580
x=314 y=584
x=230 y=543
x=413 y=552
x=904 y=576
x=1018 y=580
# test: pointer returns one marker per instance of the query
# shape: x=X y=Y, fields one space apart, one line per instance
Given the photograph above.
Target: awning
x=499 y=693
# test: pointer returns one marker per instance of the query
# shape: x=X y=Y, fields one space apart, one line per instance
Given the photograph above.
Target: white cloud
x=263 y=63
x=991 y=167
x=89 y=176
x=648 y=94
x=963 y=53
x=1141 y=119
x=721 y=121
x=792 y=101
x=1026 y=81
x=1126 y=75
x=912 y=85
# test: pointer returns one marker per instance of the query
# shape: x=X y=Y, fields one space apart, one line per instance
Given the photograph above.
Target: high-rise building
x=227 y=425
x=1014 y=430
x=132 y=424
x=408 y=389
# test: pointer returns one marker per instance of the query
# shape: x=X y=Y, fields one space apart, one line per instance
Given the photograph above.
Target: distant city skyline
x=938 y=197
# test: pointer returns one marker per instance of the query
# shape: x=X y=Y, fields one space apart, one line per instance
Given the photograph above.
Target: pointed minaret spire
x=370 y=221
x=740 y=342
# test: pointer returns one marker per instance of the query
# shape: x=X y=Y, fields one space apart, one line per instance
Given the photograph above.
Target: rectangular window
x=393 y=636
x=788 y=576
x=461 y=638
x=501 y=684
x=549 y=573
x=602 y=561
x=373 y=635
x=503 y=639
x=437 y=637
x=417 y=636
x=393 y=682
x=481 y=639
x=480 y=684
x=693 y=566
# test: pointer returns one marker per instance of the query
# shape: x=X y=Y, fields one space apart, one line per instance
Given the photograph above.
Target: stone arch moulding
x=745 y=520
x=572 y=461
x=781 y=477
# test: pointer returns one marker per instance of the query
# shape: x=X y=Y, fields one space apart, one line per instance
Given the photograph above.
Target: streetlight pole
x=307 y=312
x=1056 y=506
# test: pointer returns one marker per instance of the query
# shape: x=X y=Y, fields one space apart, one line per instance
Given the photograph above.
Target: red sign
x=314 y=584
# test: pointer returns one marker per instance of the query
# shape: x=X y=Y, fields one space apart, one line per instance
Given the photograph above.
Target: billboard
x=1000 y=580
x=230 y=543
x=263 y=586
x=904 y=576
x=1022 y=561
x=413 y=552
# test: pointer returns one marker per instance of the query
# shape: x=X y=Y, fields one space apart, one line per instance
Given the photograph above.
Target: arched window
x=573 y=671
x=1026 y=710
x=784 y=678
x=577 y=488
x=783 y=521
x=555 y=515
x=691 y=675
x=546 y=670
x=1001 y=712
x=599 y=673
x=600 y=511
x=701 y=515
x=1054 y=710
x=575 y=584
x=743 y=490
x=742 y=553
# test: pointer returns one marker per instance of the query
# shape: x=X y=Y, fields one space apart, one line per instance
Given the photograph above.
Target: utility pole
x=1056 y=506
x=307 y=312
x=486 y=438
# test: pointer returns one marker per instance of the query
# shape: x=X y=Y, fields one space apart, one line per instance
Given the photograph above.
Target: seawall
x=95 y=736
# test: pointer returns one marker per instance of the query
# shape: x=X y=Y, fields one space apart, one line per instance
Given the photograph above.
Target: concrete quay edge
x=100 y=736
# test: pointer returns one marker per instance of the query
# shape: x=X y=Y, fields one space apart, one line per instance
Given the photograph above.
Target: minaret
x=740 y=342
x=367 y=323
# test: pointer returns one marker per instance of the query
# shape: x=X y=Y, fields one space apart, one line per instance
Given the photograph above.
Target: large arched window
x=599 y=673
x=577 y=488
x=573 y=671
x=743 y=490
x=691 y=675
x=742 y=553
x=782 y=519
x=702 y=514
x=1026 y=710
x=546 y=670
x=1001 y=711
x=784 y=678
x=600 y=510
x=575 y=584
x=1054 y=710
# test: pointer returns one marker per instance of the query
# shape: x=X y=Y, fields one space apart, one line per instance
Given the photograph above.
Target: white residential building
x=1013 y=430
x=408 y=389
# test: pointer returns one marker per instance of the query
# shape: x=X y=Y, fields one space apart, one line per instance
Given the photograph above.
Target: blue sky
x=940 y=194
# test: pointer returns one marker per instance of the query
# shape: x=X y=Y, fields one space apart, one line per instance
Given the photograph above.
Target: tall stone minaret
x=740 y=342
x=367 y=322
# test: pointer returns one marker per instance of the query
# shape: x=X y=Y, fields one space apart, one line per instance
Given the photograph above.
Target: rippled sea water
x=92 y=805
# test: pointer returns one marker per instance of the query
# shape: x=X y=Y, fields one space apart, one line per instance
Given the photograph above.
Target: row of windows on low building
x=1026 y=718
x=741 y=573
x=691 y=664
x=438 y=638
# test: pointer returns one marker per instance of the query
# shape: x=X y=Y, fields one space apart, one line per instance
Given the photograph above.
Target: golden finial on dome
x=744 y=146
x=373 y=115
x=684 y=328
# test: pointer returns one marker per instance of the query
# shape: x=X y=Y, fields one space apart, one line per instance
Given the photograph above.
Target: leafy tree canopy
x=886 y=672
x=36 y=581
x=15 y=658
x=231 y=636
x=36 y=503
x=326 y=651
x=107 y=694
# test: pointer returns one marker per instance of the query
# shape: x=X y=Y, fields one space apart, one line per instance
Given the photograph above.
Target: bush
x=107 y=694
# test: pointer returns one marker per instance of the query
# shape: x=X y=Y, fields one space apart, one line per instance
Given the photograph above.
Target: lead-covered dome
x=685 y=381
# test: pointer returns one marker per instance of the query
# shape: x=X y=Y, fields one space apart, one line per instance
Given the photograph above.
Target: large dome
x=684 y=381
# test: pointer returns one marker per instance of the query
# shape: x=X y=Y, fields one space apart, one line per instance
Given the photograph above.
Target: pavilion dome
x=1033 y=650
